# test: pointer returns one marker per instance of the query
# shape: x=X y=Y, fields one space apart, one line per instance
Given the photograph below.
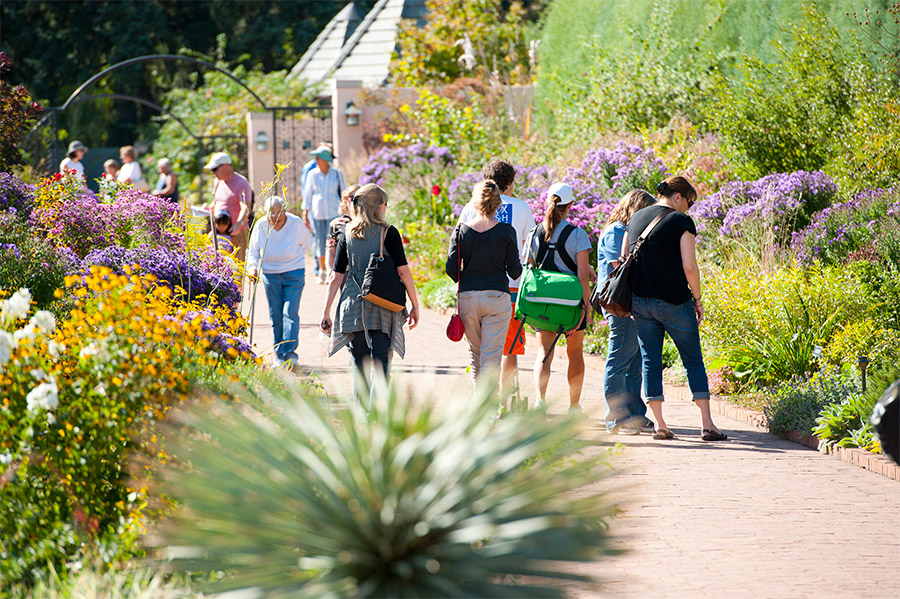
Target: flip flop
x=663 y=435
x=713 y=435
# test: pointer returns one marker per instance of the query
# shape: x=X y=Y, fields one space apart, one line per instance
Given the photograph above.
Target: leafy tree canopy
x=55 y=46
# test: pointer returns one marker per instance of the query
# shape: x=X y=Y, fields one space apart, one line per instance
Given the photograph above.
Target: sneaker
x=277 y=362
x=540 y=406
x=577 y=410
x=320 y=278
x=624 y=429
x=647 y=426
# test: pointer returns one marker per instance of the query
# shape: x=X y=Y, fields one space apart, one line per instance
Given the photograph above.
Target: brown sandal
x=710 y=434
x=663 y=435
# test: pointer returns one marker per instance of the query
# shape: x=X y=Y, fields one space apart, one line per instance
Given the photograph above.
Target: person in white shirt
x=131 y=170
x=517 y=213
x=321 y=200
x=278 y=248
x=72 y=161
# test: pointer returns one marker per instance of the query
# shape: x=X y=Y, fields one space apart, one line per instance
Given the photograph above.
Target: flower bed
x=141 y=315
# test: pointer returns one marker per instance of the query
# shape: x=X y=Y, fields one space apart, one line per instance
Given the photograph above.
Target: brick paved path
x=753 y=517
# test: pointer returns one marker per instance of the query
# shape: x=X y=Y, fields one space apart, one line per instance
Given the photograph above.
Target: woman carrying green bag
x=557 y=245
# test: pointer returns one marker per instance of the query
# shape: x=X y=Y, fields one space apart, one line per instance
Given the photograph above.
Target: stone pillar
x=260 y=163
x=348 y=141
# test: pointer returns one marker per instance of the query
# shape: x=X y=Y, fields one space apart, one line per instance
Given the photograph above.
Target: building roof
x=322 y=55
x=364 y=56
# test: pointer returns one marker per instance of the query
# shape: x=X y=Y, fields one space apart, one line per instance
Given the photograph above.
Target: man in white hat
x=321 y=201
x=232 y=194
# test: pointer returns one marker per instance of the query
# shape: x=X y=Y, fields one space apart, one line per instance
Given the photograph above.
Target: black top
x=487 y=257
x=657 y=270
x=393 y=246
x=336 y=230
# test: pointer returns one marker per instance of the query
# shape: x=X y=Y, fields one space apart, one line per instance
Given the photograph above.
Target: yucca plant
x=286 y=498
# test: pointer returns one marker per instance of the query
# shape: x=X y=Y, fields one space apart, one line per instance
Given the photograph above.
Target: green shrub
x=30 y=261
x=789 y=115
x=439 y=293
x=392 y=501
x=846 y=423
x=652 y=76
x=881 y=285
x=427 y=245
x=796 y=405
x=116 y=583
x=596 y=337
x=768 y=326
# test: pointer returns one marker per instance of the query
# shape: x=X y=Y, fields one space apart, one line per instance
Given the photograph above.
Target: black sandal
x=713 y=435
x=663 y=435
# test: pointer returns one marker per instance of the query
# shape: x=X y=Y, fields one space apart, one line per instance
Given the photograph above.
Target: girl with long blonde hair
x=626 y=413
x=372 y=332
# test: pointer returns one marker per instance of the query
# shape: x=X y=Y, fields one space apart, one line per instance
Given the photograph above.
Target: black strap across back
x=549 y=249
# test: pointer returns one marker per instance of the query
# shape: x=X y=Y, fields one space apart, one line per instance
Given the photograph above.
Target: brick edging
x=872 y=462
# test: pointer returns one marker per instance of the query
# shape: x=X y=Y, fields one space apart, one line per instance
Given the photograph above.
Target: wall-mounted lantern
x=262 y=141
x=352 y=112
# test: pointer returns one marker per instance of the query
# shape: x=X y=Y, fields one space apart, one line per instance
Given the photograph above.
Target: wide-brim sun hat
x=324 y=153
x=563 y=191
x=75 y=146
x=217 y=160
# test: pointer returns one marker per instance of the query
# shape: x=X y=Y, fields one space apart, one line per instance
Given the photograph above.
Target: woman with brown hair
x=483 y=251
x=665 y=283
x=626 y=413
x=372 y=332
x=572 y=247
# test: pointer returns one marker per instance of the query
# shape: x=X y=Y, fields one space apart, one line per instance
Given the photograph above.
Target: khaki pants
x=240 y=241
x=485 y=315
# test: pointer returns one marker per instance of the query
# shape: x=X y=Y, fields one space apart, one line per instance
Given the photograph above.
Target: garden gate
x=297 y=131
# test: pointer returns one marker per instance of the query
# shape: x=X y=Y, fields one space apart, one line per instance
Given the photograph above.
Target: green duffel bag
x=550 y=300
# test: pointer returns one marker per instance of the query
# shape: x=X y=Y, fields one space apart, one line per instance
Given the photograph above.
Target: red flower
x=436 y=190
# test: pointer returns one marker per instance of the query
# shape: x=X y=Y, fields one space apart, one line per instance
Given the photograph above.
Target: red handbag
x=455 y=328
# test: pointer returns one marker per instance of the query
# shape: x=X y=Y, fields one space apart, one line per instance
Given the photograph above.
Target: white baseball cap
x=217 y=159
x=565 y=193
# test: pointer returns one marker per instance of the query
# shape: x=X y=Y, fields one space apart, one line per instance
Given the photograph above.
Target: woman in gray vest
x=373 y=333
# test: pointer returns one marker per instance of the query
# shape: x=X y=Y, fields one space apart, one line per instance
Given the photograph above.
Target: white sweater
x=285 y=250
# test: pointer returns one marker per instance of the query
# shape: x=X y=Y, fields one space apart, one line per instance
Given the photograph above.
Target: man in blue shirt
x=321 y=199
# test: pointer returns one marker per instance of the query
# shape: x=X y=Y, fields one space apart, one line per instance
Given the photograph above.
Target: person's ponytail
x=554 y=215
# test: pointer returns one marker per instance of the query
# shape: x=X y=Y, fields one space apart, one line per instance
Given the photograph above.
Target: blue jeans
x=622 y=376
x=320 y=235
x=283 y=293
x=654 y=318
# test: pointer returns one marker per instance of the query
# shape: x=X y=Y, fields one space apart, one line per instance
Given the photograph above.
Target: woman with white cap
x=571 y=256
x=72 y=161
x=278 y=248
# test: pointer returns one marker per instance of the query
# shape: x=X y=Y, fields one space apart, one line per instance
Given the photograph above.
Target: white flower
x=26 y=332
x=38 y=374
x=5 y=458
x=7 y=344
x=55 y=349
x=89 y=350
x=100 y=389
x=44 y=320
x=100 y=350
x=16 y=307
x=45 y=396
x=51 y=418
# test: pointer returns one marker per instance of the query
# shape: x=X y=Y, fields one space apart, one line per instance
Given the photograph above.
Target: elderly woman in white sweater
x=278 y=248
